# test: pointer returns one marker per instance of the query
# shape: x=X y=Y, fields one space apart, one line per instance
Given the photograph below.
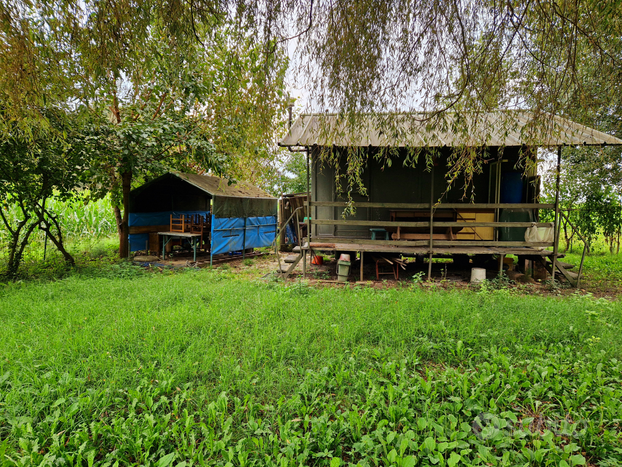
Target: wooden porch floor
x=370 y=246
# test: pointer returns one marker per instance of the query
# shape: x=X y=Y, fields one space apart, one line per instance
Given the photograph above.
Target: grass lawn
x=125 y=367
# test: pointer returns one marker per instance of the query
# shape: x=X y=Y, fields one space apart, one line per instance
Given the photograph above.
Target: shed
x=240 y=216
x=409 y=209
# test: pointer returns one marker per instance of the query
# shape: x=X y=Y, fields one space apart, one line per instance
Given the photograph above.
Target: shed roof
x=217 y=186
x=500 y=128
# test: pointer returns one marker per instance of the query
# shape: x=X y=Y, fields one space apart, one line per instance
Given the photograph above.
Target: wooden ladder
x=571 y=277
x=291 y=262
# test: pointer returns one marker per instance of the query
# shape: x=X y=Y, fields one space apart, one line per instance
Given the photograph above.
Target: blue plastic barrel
x=512 y=187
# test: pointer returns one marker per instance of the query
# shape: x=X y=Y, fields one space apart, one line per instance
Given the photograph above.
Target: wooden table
x=194 y=238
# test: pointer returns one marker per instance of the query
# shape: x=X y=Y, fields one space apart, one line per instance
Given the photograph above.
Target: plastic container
x=478 y=275
x=343 y=270
x=514 y=234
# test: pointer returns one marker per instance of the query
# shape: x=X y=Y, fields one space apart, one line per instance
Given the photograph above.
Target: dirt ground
x=445 y=274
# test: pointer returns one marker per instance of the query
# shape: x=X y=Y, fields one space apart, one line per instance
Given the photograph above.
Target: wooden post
x=362 y=253
x=431 y=220
x=430 y=267
x=581 y=265
x=498 y=193
x=432 y=209
x=556 y=225
x=308 y=200
x=280 y=219
x=304 y=257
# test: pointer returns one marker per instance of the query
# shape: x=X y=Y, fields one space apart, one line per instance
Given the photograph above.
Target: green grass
x=202 y=367
x=602 y=270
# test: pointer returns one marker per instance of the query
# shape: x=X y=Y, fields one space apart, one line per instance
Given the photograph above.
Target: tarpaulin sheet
x=233 y=207
x=235 y=234
x=139 y=242
x=260 y=231
x=227 y=235
x=141 y=219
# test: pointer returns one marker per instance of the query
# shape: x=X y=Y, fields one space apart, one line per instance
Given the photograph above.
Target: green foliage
x=202 y=367
x=79 y=220
x=417 y=279
x=155 y=86
x=293 y=176
x=35 y=169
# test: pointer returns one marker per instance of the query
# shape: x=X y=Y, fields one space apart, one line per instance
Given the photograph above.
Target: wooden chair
x=395 y=272
x=197 y=226
x=190 y=223
x=177 y=223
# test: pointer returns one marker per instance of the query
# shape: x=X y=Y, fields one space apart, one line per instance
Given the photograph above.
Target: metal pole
x=244 y=240
x=211 y=239
x=556 y=225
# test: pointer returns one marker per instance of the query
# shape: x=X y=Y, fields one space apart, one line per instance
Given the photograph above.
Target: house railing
x=431 y=241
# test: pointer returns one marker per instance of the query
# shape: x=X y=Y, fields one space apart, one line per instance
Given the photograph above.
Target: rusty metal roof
x=500 y=128
x=217 y=186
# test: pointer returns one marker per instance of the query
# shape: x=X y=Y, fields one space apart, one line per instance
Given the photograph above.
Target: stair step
x=291 y=258
x=572 y=274
x=563 y=265
x=296 y=249
x=284 y=268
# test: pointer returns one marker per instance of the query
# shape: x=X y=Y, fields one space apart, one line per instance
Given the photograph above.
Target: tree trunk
x=57 y=240
x=124 y=247
x=568 y=245
x=119 y=221
x=17 y=246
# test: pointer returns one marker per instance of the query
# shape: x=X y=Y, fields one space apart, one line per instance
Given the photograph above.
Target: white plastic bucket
x=478 y=275
x=344 y=257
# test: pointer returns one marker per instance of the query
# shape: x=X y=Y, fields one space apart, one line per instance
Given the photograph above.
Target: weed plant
x=202 y=368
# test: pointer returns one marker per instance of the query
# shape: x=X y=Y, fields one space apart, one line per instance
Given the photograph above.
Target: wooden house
x=409 y=208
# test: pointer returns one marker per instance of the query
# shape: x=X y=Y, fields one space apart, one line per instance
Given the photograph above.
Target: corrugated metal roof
x=501 y=128
x=217 y=186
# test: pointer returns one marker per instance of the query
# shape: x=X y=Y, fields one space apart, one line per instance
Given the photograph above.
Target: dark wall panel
x=169 y=194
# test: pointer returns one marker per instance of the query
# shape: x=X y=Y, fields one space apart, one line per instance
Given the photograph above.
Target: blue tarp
x=237 y=233
x=141 y=241
x=227 y=234
x=260 y=231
